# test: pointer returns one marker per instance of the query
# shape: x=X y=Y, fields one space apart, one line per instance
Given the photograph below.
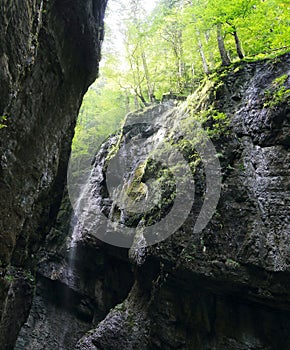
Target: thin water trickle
x=72 y=281
x=76 y=231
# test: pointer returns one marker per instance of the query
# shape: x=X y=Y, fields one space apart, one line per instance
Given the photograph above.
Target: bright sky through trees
x=155 y=47
x=113 y=21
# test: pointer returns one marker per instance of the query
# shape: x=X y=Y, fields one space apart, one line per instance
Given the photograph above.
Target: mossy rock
x=278 y=93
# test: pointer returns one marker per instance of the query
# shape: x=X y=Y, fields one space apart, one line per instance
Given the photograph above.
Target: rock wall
x=222 y=287
x=49 y=56
x=225 y=286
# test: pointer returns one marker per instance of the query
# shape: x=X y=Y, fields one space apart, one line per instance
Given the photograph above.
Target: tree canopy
x=173 y=47
x=170 y=49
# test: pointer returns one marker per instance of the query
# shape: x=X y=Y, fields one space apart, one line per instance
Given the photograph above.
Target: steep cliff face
x=49 y=55
x=215 y=282
x=224 y=286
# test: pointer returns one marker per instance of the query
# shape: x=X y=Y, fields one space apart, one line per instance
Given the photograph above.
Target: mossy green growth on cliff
x=201 y=109
x=200 y=120
x=214 y=122
x=278 y=92
x=114 y=147
x=3 y=119
x=179 y=136
x=136 y=189
x=162 y=190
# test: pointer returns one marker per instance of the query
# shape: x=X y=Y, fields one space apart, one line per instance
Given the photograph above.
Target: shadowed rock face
x=225 y=287
x=49 y=55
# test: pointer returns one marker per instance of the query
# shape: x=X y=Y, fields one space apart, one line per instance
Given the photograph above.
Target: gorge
x=90 y=274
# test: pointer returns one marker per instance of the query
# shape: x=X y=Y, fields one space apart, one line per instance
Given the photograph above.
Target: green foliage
x=280 y=80
x=29 y=276
x=101 y=113
x=172 y=50
x=113 y=149
x=3 y=119
x=188 y=254
x=201 y=110
x=136 y=188
x=278 y=93
x=197 y=126
x=232 y=263
x=220 y=124
x=179 y=41
x=9 y=278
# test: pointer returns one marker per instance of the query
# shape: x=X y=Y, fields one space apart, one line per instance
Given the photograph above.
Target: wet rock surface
x=49 y=56
x=225 y=287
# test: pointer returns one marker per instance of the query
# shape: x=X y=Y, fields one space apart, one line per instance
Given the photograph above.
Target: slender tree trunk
x=221 y=45
x=142 y=99
x=182 y=72
x=178 y=52
x=238 y=45
x=136 y=103
x=127 y=102
x=181 y=68
x=192 y=70
x=211 y=61
x=202 y=55
x=138 y=86
x=147 y=77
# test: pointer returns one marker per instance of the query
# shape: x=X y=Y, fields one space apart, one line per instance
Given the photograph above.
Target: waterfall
x=75 y=227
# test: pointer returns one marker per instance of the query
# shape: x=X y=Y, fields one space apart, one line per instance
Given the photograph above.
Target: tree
x=103 y=108
x=221 y=45
x=170 y=50
x=225 y=16
x=135 y=38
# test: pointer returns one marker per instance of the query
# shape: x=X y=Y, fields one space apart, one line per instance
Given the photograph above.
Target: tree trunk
x=202 y=55
x=238 y=45
x=147 y=77
x=179 y=61
x=127 y=101
x=211 y=60
x=136 y=103
x=142 y=101
x=221 y=45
